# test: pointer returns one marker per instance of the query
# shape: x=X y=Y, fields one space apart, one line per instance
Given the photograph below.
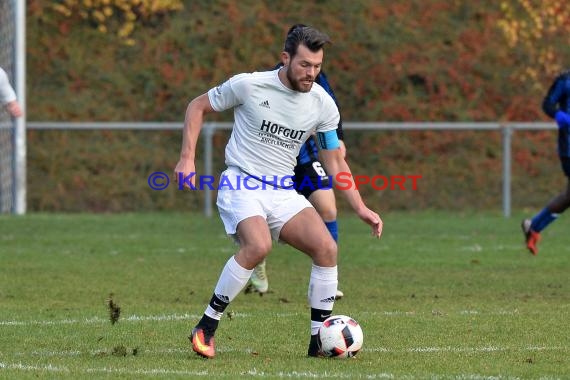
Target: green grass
x=441 y=295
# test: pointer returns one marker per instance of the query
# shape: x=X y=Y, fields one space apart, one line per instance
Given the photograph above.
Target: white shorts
x=277 y=206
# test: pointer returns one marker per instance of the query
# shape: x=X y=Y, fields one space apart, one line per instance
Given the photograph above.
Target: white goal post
x=13 y=131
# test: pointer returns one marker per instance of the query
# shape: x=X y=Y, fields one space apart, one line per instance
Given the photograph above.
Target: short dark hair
x=295 y=27
x=300 y=34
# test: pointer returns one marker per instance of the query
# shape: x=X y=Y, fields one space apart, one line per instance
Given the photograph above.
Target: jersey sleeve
x=329 y=115
x=229 y=94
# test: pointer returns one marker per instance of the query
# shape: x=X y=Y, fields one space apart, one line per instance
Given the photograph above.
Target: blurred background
x=405 y=61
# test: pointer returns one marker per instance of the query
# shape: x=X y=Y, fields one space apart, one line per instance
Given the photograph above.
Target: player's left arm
x=336 y=166
x=342 y=148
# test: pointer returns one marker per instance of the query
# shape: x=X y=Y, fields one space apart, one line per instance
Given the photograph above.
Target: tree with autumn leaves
x=119 y=16
x=412 y=60
x=534 y=29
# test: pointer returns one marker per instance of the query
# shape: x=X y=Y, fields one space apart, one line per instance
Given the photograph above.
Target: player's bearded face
x=301 y=82
x=304 y=68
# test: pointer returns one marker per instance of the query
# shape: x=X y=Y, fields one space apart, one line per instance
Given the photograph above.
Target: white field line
x=422 y=350
x=60 y=369
x=97 y=320
x=254 y=372
x=186 y=317
x=418 y=350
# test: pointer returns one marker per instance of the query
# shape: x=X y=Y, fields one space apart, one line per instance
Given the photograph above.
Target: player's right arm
x=193 y=122
x=225 y=96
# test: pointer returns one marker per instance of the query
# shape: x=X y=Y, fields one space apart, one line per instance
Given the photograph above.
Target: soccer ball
x=340 y=336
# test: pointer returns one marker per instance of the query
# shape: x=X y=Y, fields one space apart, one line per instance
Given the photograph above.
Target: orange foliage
x=533 y=24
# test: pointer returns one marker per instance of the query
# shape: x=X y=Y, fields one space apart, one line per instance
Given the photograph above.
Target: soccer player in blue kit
x=275 y=112
x=556 y=104
x=313 y=182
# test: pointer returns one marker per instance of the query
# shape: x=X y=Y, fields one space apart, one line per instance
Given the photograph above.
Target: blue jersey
x=558 y=99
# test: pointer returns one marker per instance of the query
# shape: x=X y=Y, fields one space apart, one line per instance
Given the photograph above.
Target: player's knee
x=261 y=249
x=328 y=252
x=251 y=255
x=331 y=248
x=258 y=250
x=328 y=213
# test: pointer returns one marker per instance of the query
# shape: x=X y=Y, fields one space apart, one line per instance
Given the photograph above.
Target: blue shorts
x=311 y=177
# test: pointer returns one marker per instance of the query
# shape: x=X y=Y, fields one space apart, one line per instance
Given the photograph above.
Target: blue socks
x=542 y=220
x=333 y=229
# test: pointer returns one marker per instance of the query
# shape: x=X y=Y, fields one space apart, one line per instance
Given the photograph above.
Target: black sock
x=209 y=323
x=319 y=315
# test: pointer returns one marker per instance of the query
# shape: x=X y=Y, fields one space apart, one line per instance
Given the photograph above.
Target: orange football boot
x=202 y=343
x=531 y=237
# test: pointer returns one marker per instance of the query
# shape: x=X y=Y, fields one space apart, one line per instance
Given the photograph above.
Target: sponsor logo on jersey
x=279 y=130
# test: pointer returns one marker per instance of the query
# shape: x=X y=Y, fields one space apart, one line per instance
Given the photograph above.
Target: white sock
x=322 y=291
x=232 y=280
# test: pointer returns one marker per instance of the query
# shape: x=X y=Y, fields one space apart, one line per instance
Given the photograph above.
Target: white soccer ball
x=340 y=336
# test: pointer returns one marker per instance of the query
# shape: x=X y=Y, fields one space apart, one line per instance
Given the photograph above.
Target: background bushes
x=389 y=61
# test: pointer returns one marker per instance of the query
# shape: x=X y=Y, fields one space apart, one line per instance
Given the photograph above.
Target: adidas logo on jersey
x=265 y=104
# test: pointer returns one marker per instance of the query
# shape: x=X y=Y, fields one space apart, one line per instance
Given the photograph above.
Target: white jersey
x=271 y=121
x=7 y=93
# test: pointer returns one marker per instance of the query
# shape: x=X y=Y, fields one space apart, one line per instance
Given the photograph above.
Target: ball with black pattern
x=340 y=337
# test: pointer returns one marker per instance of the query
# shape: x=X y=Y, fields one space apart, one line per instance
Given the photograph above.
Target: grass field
x=440 y=296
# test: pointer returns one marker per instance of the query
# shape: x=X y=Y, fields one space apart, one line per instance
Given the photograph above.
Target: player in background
x=8 y=96
x=556 y=104
x=313 y=182
x=275 y=112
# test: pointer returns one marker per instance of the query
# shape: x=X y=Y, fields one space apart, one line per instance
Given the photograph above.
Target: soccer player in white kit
x=275 y=112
